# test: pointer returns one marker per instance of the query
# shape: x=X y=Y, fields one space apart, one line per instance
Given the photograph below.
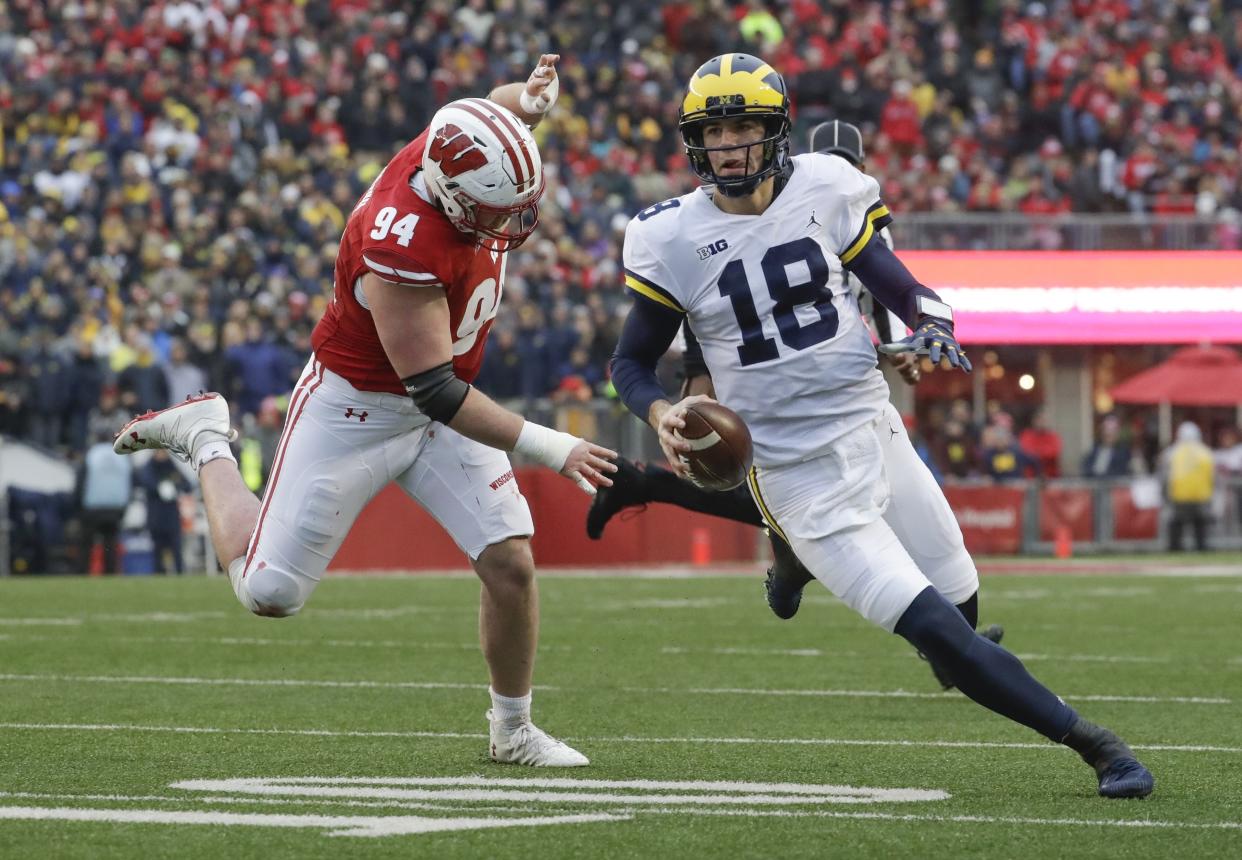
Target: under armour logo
x=361 y=416
x=892 y=432
x=813 y=222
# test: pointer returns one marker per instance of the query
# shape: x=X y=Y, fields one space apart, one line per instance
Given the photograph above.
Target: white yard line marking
x=774 y=652
x=248 y=682
x=628 y=739
x=1091 y=658
x=336 y=825
x=907 y=694
x=445 y=685
x=40 y=622
x=471 y=647
x=667 y=603
x=963 y=819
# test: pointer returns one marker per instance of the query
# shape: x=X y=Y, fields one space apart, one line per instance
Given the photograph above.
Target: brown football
x=723 y=452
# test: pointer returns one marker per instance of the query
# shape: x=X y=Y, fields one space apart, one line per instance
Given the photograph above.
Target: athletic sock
x=981 y=669
x=512 y=712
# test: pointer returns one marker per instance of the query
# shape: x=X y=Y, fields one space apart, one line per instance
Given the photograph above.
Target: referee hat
x=838 y=138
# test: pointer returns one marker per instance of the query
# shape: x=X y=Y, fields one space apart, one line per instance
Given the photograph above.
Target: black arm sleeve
x=889 y=281
x=649 y=330
x=692 y=363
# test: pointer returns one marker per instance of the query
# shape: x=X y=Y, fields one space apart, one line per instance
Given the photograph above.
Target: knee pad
x=267 y=591
x=935 y=626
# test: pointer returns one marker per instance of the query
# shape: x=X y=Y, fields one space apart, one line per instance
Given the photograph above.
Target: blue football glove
x=933 y=338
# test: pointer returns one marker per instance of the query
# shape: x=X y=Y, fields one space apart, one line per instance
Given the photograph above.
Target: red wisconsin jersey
x=397 y=235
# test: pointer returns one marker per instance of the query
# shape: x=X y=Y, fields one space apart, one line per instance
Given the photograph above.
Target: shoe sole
x=128 y=429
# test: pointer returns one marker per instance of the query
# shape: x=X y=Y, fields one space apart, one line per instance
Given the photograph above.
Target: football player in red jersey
x=386 y=396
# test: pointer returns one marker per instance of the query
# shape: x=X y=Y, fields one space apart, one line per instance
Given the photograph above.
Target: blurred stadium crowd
x=175 y=175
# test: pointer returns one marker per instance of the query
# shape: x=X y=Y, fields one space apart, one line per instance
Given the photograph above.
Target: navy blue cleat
x=627 y=490
x=786 y=578
x=1126 y=777
x=1121 y=775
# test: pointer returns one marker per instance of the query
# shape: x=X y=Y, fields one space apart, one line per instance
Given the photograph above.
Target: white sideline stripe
x=445 y=685
x=339 y=825
x=626 y=739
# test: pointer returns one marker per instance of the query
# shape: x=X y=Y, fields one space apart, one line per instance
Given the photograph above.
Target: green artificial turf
x=659 y=679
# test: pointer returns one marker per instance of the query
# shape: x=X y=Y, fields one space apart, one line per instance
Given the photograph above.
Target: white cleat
x=530 y=745
x=179 y=429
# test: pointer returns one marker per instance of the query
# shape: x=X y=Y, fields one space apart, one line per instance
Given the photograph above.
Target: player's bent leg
x=635 y=485
x=996 y=679
x=329 y=464
x=197 y=431
x=270 y=591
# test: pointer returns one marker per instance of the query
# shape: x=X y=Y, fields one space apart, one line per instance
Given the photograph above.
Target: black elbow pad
x=436 y=392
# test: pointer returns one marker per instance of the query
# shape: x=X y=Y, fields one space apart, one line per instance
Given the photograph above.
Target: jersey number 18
x=734 y=285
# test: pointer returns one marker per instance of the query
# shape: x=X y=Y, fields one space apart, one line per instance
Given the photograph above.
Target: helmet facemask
x=773 y=158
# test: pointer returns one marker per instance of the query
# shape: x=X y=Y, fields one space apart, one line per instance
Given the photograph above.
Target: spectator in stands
x=163 y=485
x=955 y=453
x=1228 y=458
x=1109 y=457
x=104 y=485
x=1002 y=458
x=184 y=379
x=1189 y=481
x=1043 y=444
x=208 y=152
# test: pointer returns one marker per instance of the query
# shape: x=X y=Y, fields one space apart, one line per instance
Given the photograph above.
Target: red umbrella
x=1194 y=376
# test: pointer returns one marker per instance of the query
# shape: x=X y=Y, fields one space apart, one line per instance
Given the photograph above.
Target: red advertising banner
x=1042 y=297
x=990 y=518
x=1070 y=508
x=1131 y=522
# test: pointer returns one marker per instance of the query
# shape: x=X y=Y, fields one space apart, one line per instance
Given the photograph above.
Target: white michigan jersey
x=767 y=298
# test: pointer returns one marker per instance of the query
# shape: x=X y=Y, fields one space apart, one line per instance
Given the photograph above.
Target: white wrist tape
x=543 y=102
x=544 y=445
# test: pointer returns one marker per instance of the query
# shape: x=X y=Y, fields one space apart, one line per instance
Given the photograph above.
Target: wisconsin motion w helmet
x=733 y=85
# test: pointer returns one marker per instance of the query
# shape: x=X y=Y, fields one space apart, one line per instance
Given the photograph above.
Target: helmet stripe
x=517 y=137
x=503 y=137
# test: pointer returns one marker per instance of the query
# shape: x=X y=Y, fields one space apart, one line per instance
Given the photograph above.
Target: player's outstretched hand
x=672 y=422
x=934 y=339
x=907 y=366
x=589 y=465
x=542 y=85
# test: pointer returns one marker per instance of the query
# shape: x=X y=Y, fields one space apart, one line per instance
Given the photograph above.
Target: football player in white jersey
x=755 y=262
